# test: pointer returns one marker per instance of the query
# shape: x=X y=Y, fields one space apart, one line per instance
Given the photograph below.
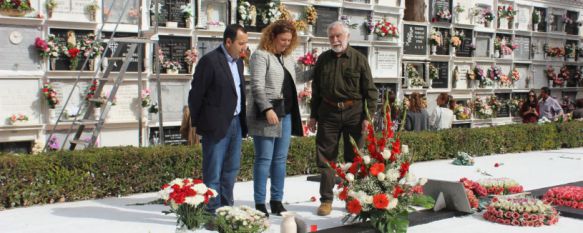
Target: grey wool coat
x=267 y=76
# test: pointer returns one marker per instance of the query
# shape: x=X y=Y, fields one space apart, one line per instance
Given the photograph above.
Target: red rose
x=354 y=207
x=380 y=201
x=397 y=191
x=377 y=168
x=197 y=181
x=313 y=199
x=496 y=165
x=343 y=194
x=73 y=52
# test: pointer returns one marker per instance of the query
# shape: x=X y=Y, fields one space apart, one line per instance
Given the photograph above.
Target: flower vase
x=309 y=29
x=497 y=54
x=510 y=24
x=171 y=71
x=430 y=83
x=92 y=64
x=53 y=63
x=92 y=16
x=288 y=223
x=184 y=229
x=170 y=24
x=188 y=22
x=433 y=50
x=564 y=27
x=564 y=83
x=456 y=19
x=50 y=13
x=551 y=83
x=453 y=50
x=486 y=23
x=189 y=67
x=535 y=27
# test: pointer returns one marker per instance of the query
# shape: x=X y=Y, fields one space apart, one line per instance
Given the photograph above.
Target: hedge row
x=95 y=173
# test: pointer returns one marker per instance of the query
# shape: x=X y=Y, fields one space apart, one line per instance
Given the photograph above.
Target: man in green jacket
x=342 y=83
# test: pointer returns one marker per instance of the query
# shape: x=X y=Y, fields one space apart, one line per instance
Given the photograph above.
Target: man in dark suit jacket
x=216 y=101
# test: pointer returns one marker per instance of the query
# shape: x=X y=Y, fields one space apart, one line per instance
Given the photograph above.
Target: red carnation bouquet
x=377 y=185
x=50 y=94
x=187 y=199
x=569 y=196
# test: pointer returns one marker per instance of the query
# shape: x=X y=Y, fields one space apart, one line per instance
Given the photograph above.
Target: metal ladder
x=133 y=45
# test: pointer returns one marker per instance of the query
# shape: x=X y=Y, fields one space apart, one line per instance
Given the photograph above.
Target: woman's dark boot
x=277 y=207
x=262 y=208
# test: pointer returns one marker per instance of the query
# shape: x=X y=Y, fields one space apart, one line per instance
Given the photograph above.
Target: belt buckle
x=340 y=105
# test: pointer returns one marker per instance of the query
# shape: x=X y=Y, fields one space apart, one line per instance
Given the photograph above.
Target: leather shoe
x=262 y=208
x=325 y=209
x=276 y=207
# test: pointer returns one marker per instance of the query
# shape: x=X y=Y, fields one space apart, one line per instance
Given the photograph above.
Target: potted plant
x=188 y=13
x=172 y=67
x=50 y=5
x=92 y=9
x=15 y=8
x=535 y=20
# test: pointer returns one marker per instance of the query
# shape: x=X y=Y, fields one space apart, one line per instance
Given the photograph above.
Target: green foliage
x=96 y=173
x=424 y=201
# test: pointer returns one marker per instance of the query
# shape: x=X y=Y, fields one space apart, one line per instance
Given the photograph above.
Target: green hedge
x=95 y=173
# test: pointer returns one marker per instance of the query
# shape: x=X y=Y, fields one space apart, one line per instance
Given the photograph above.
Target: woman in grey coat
x=273 y=113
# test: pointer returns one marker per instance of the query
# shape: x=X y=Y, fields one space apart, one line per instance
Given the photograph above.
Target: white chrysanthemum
x=410 y=177
x=393 y=175
x=422 y=181
x=381 y=176
x=164 y=194
x=346 y=166
x=366 y=159
x=200 y=188
x=349 y=177
x=386 y=154
x=405 y=149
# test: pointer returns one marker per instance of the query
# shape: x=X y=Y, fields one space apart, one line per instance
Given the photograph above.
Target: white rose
x=386 y=154
x=366 y=159
x=349 y=177
x=405 y=149
x=368 y=199
x=393 y=202
x=422 y=181
x=381 y=176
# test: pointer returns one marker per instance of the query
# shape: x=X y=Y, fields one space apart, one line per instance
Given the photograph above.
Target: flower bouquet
x=311 y=15
x=91 y=49
x=50 y=94
x=507 y=47
x=501 y=186
x=243 y=10
x=385 y=30
x=569 y=196
x=305 y=95
x=570 y=51
x=442 y=15
x=48 y=49
x=433 y=72
x=172 y=67
x=462 y=112
x=456 y=39
x=377 y=185
x=300 y=25
x=463 y=159
x=487 y=17
x=240 y=219
x=72 y=52
x=91 y=9
x=495 y=73
x=482 y=108
x=146 y=98
x=520 y=211
x=515 y=75
x=187 y=199
x=435 y=39
x=190 y=57
x=309 y=59
x=535 y=19
x=514 y=105
x=16 y=119
x=413 y=75
x=271 y=12
x=473 y=191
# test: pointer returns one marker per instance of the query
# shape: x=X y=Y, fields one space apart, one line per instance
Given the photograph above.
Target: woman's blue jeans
x=270 y=161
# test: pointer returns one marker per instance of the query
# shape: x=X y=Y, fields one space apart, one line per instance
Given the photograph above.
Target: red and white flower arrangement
x=48 y=48
x=501 y=186
x=569 y=196
x=72 y=53
x=241 y=219
x=90 y=47
x=50 y=94
x=385 y=29
x=309 y=59
x=520 y=211
x=17 y=118
x=377 y=185
x=442 y=14
x=187 y=199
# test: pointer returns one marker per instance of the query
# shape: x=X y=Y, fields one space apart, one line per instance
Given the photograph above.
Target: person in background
x=442 y=116
x=270 y=123
x=567 y=104
x=342 y=83
x=417 y=117
x=548 y=106
x=578 y=113
x=529 y=109
x=186 y=130
x=217 y=110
